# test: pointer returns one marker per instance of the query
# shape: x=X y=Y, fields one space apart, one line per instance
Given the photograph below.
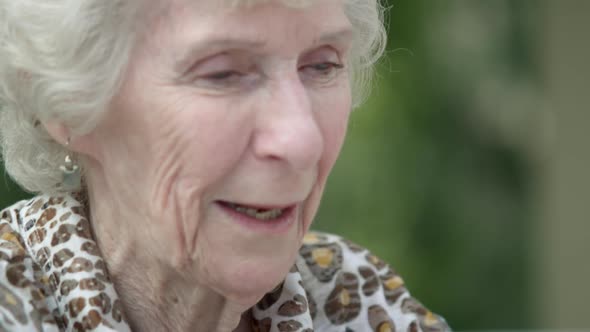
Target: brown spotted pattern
x=393 y=286
x=270 y=298
x=53 y=278
x=294 y=307
x=379 y=320
x=426 y=320
x=323 y=259
x=343 y=304
x=289 y=326
x=370 y=280
x=262 y=325
x=347 y=289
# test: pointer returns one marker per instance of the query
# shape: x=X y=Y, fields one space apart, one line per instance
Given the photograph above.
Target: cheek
x=333 y=120
x=209 y=137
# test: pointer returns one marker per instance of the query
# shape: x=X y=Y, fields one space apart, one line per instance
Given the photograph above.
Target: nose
x=287 y=128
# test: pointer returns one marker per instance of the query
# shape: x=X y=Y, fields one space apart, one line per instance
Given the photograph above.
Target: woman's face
x=223 y=134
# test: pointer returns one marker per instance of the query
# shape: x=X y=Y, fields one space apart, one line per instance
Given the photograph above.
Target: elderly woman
x=179 y=149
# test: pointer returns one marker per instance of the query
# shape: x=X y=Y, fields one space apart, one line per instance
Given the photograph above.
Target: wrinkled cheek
x=334 y=139
x=334 y=110
x=188 y=198
x=334 y=129
x=188 y=202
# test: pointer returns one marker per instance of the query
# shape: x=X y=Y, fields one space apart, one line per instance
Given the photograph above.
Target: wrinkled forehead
x=182 y=14
x=164 y=8
x=237 y=3
x=291 y=3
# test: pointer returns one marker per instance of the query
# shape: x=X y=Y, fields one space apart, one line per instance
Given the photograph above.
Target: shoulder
x=9 y=214
x=34 y=219
x=52 y=276
x=12 y=242
x=23 y=308
x=26 y=212
x=349 y=286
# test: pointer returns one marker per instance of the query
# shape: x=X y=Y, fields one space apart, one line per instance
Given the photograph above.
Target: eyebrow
x=211 y=46
x=340 y=35
x=217 y=43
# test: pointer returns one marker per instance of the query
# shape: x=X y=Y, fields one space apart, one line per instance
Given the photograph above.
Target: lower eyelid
x=233 y=82
x=328 y=79
x=331 y=67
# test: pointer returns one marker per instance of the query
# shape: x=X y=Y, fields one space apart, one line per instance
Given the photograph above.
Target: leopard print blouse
x=52 y=278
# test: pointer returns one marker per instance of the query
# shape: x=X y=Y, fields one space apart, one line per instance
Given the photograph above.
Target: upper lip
x=259 y=206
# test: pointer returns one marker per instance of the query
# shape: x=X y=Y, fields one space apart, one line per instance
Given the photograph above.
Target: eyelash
x=331 y=66
x=222 y=75
x=228 y=79
x=323 y=72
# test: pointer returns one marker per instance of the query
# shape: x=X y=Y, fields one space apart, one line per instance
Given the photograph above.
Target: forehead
x=249 y=3
x=184 y=22
x=177 y=11
x=292 y=3
x=170 y=7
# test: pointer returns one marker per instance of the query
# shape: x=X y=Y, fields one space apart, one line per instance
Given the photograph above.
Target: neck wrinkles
x=155 y=296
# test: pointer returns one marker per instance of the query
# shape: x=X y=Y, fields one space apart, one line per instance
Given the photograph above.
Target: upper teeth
x=256 y=213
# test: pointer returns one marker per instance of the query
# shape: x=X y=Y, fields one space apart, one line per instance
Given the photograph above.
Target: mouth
x=273 y=218
x=263 y=214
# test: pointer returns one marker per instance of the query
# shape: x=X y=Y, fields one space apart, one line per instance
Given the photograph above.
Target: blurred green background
x=444 y=170
x=435 y=176
x=467 y=168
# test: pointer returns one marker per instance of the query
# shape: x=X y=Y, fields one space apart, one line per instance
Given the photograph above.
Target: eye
x=228 y=80
x=325 y=68
x=223 y=76
x=226 y=71
x=321 y=72
x=322 y=65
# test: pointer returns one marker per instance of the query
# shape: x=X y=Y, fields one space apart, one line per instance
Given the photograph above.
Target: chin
x=253 y=282
x=242 y=262
x=246 y=278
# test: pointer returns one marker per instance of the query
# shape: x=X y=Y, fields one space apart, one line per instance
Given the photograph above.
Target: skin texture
x=198 y=121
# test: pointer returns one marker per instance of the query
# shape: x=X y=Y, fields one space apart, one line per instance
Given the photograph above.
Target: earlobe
x=58 y=131
x=63 y=135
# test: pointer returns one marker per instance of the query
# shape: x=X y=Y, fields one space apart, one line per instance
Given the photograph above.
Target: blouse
x=53 y=278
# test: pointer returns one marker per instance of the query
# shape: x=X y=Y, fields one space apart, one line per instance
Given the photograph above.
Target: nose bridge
x=291 y=93
x=288 y=127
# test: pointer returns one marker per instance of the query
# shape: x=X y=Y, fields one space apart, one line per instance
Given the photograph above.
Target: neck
x=155 y=295
x=163 y=302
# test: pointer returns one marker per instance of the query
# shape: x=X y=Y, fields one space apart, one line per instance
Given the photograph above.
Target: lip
x=276 y=226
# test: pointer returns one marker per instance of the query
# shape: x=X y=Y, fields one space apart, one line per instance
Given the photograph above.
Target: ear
x=61 y=134
x=58 y=131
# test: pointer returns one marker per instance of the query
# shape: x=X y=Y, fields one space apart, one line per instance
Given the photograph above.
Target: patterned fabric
x=52 y=278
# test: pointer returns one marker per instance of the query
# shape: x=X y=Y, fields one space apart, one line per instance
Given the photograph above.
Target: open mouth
x=258 y=213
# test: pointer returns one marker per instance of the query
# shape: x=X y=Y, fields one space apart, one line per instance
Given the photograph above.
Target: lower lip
x=275 y=226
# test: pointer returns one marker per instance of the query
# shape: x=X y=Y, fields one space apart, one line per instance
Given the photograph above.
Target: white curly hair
x=64 y=60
